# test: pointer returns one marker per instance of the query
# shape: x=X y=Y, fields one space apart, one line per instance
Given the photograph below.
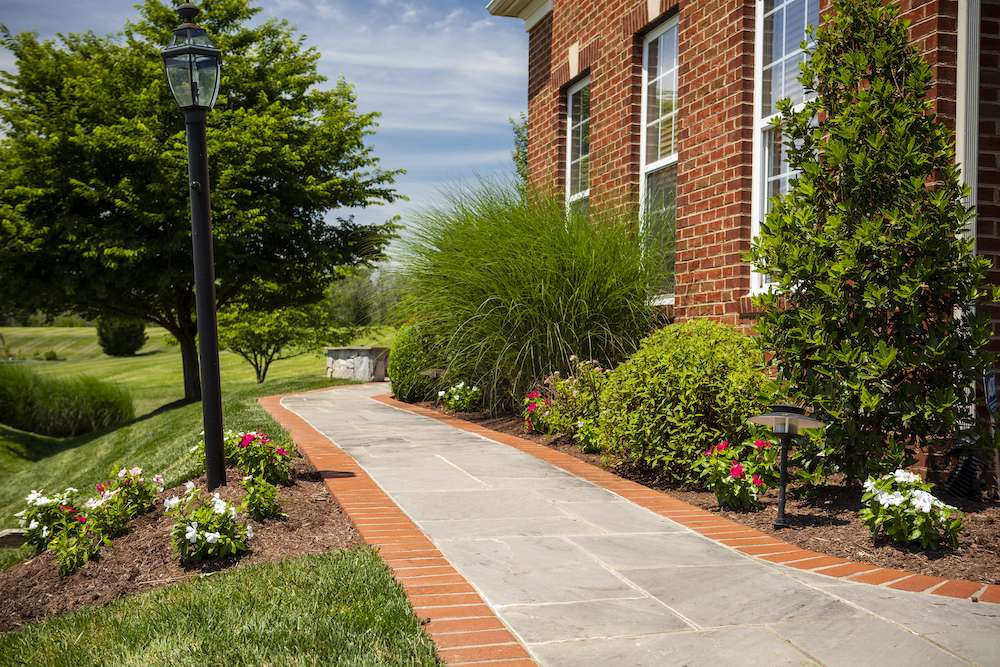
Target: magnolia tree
x=871 y=319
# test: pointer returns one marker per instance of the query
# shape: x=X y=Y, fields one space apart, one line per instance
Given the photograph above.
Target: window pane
x=577 y=176
x=667 y=136
x=585 y=102
x=812 y=15
x=668 y=49
x=652 y=143
x=795 y=25
x=774 y=151
x=584 y=181
x=660 y=220
x=793 y=69
x=652 y=105
x=584 y=133
x=653 y=59
x=668 y=96
x=773 y=48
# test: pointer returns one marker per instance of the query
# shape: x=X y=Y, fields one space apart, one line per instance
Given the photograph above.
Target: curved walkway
x=582 y=576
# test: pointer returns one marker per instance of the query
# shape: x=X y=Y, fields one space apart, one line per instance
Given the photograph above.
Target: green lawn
x=334 y=609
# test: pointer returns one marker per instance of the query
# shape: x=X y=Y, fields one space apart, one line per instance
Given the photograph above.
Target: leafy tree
x=520 y=152
x=94 y=208
x=364 y=297
x=262 y=337
x=871 y=320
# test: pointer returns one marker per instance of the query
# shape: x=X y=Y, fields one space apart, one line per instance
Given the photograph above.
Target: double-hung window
x=658 y=146
x=578 y=146
x=779 y=57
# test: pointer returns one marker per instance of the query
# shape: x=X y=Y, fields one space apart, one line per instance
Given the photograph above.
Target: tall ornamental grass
x=60 y=406
x=511 y=287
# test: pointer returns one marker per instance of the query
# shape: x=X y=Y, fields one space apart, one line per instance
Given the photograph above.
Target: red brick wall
x=988 y=193
x=714 y=123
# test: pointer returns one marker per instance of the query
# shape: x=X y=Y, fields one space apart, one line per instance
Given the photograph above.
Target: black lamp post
x=193 y=70
x=786 y=421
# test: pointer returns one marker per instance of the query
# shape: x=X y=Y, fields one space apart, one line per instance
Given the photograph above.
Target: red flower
x=531 y=424
x=68 y=508
x=532 y=407
x=534 y=394
x=281 y=451
x=247 y=439
x=722 y=445
x=761 y=444
x=736 y=472
x=757 y=481
x=81 y=519
x=710 y=450
x=99 y=487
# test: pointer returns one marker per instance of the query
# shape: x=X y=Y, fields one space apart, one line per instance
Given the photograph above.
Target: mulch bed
x=826 y=522
x=143 y=558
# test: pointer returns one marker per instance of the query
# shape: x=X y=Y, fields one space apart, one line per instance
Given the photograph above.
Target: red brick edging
x=464 y=628
x=750 y=541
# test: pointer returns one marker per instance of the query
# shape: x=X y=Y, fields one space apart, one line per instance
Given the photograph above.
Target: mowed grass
x=164 y=429
x=334 y=609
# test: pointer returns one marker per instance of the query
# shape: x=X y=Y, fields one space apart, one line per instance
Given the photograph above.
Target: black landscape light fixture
x=786 y=421
x=193 y=67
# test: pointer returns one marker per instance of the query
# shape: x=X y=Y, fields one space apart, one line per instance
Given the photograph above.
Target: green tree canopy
x=872 y=319
x=94 y=209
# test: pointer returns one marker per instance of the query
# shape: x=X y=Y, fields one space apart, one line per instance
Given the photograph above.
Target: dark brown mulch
x=143 y=558
x=826 y=522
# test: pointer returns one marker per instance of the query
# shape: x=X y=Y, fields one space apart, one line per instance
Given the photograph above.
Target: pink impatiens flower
x=757 y=481
x=247 y=439
x=534 y=394
x=736 y=472
x=532 y=407
x=281 y=451
x=722 y=445
x=761 y=444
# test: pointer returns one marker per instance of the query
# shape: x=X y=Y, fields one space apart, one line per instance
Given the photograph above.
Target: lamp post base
x=780 y=523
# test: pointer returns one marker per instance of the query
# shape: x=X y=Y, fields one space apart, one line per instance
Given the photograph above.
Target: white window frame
x=760 y=128
x=646 y=169
x=585 y=194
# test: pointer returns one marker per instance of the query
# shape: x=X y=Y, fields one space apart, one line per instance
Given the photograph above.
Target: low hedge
x=60 y=406
x=688 y=386
x=411 y=355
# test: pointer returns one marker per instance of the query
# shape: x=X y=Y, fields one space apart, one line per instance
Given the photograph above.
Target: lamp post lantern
x=786 y=421
x=193 y=67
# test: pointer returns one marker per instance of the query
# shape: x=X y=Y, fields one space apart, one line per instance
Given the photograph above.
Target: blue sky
x=445 y=75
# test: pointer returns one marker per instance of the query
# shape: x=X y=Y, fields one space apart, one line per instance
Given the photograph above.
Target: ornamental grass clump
x=510 y=287
x=901 y=507
x=205 y=527
x=739 y=474
x=874 y=319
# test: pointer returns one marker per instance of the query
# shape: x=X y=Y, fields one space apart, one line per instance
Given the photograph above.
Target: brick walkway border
x=735 y=535
x=464 y=628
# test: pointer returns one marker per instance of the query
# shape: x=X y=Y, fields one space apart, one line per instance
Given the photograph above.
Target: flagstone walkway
x=582 y=576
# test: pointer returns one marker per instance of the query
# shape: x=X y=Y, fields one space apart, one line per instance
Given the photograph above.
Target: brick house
x=663 y=104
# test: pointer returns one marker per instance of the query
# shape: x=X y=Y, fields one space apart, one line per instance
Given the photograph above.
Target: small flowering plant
x=122 y=498
x=739 y=474
x=47 y=515
x=536 y=410
x=255 y=454
x=901 y=506
x=261 y=499
x=461 y=397
x=205 y=527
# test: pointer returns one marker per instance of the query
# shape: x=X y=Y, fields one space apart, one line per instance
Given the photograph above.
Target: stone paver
x=582 y=576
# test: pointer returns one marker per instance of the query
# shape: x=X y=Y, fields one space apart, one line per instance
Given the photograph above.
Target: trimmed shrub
x=120 y=336
x=60 y=406
x=410 y=356
x=515 y=286
x=689 y=386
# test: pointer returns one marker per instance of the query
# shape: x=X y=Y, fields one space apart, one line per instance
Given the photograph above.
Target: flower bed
x=144 y=558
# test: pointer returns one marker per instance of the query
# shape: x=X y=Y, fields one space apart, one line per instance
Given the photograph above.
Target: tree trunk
x=189 y=359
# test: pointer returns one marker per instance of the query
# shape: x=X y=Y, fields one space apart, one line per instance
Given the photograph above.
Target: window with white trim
x=578 y=146
x=658 y=146
x=779 y=57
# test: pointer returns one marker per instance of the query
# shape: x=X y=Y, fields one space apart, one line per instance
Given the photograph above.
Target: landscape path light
x=194 y=67
x=786 y=421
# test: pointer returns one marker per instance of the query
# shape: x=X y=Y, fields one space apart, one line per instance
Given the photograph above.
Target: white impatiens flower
x=45 y=532
x=123 y=472
x=893 y=499
x=94 y=503
x=189 y=486
x=171 y=502
x=192 y=532
x=870 y=485
x=441 y=394
x=249 y=531
x=70 y=490
x=135 y=472
x=32 y=525
x=232 y=512
x=42 y=501
x=219 y=506
x=158 y=479
x=212 y=538
x=903 y=477
x=922 y=500
x=32 y=497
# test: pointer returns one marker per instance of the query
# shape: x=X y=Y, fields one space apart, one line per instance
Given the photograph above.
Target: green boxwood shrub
x=60 y=406
x=688 y=386
x=121 y=337
x=410 y=356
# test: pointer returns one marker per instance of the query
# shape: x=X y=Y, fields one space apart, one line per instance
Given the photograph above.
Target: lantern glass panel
x=179 y=77
x=206 y=78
